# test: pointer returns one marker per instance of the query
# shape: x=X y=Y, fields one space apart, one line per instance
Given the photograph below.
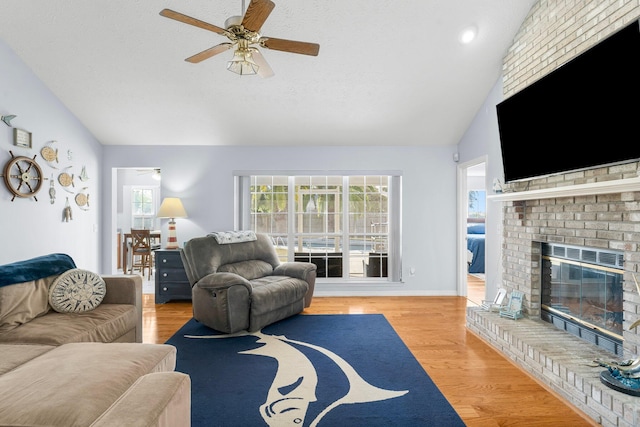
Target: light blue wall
x=30 y=228
x=203 y=178
x=482 y=140
x=482 y=137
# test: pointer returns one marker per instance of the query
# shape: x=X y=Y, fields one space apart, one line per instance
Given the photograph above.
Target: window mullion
x=344 y=223
x=395 y=225
x=291 y=201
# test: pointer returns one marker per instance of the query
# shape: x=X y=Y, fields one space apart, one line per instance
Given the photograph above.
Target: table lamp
x=172 y=208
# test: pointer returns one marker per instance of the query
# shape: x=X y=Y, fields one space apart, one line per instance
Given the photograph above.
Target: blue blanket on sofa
x=35 y=268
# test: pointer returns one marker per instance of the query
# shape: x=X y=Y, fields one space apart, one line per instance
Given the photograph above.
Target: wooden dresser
x=171 y=279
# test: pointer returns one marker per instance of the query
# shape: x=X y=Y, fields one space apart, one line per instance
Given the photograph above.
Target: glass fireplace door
x=586 y=293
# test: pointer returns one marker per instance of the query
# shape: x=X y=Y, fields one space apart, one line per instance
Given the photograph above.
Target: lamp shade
x=171 y=207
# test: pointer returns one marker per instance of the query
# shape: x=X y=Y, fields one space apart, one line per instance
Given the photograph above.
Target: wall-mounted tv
x=584 y=114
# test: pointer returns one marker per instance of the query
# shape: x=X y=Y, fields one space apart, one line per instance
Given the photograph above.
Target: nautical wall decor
x=22 y=176
x=7 y=119
x=50 y=154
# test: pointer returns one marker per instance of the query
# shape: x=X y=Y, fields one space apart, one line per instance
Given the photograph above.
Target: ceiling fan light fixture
x=243 y=64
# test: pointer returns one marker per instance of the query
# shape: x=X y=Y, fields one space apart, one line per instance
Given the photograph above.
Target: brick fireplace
x=607 y=221
x=570 y=216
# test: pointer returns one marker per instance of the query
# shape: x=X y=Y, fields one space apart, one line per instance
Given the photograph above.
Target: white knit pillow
x=76 y=291
x=227 y=237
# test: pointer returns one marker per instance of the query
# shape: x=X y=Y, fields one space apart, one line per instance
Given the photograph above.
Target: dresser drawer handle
x=164 y=274
x=164 y=260
x=164 y=289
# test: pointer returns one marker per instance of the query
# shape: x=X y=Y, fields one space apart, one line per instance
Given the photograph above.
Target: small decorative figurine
x=83 y=174
x=49 y=153
x=623 y=376
x=497 y=185
x=7 y=119
x=82 y=199
x=66 y=180
x=52 y=190
x=67 y=215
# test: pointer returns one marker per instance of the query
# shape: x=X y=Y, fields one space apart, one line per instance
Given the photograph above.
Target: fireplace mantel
x=592 y=188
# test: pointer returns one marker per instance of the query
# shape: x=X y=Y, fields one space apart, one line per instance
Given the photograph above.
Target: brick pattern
x=554 y=32
x=610 y=221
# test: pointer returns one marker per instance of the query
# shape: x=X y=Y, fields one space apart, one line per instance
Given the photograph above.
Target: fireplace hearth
x=581 y=293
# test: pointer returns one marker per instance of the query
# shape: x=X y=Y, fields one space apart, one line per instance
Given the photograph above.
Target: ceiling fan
x=244 y=35
x=155 y=173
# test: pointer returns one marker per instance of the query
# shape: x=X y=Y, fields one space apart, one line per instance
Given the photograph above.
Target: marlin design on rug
x=292 y=390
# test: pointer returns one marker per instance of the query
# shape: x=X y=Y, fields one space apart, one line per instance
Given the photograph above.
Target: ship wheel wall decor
x=23 y=176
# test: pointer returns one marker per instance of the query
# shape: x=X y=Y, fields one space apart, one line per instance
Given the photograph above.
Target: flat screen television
x=584 y=114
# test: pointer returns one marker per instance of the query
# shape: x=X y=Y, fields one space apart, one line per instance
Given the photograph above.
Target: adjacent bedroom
x=476 y=215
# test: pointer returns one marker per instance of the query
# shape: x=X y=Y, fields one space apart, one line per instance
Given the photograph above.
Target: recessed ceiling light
x=468 y=34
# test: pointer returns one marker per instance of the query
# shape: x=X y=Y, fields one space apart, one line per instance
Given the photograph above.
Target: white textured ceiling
x=388 y=72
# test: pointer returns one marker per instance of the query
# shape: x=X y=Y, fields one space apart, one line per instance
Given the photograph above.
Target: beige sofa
x=83 y=368
x=117 y=319
x=92 y=384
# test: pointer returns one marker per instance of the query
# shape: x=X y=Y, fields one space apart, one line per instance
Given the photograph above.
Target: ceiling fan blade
x=168 y=13
x=264 y=70
x=257 y=12
x=206 y=54
x=290 y=46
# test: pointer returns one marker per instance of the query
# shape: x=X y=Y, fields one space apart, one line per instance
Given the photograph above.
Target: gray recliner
x=244 y=286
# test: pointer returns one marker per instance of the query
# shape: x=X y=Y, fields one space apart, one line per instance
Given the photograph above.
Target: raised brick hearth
x=560 y=361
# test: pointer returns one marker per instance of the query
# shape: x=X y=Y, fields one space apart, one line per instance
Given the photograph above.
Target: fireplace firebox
x=581 y=292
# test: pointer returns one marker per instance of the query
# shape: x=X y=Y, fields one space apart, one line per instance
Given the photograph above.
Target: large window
x=143 y=208
x=345 y=224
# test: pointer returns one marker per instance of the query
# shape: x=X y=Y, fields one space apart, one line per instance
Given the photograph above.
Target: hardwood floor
x=475 y=290
x=484 y=387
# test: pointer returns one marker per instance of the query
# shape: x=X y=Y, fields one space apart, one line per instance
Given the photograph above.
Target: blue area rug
x=309 y=370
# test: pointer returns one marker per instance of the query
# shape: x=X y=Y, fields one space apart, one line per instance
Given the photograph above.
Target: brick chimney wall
x=553 y=33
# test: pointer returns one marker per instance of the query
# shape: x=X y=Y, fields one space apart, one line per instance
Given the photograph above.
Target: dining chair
x=141 y=251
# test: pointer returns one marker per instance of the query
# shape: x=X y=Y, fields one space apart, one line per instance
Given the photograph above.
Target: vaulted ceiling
x=388 y=72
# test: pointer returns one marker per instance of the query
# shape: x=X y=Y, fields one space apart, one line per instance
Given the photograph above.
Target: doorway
x=137 y=199
x=472 y=217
